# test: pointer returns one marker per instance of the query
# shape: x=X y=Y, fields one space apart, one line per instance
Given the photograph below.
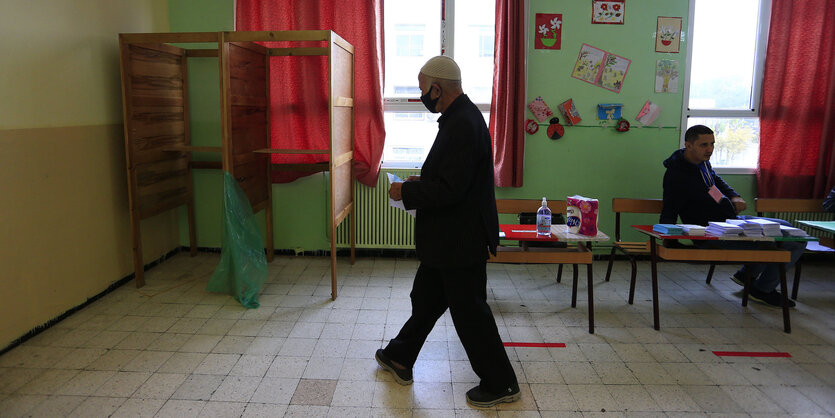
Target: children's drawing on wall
x=668 y=34
x=608 y=11
x=548 y=31
x=648 y=113
x=601 y=68
x=540 y=109
x=666 y=76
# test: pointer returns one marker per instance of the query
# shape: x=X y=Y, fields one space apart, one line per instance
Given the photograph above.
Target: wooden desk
x=660 y=252
x=580 y=254
x=825 y=226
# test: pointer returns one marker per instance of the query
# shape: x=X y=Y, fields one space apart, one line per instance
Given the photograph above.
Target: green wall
x=590 y=160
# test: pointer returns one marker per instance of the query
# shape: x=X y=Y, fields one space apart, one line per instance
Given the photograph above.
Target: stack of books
x=789 y=231
x=667 y=229
x=749 y=229
x=770 y=228
x=723 y=229
x=694 y=230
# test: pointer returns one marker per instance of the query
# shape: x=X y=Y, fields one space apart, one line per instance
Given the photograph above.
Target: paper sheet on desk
x=393 y=178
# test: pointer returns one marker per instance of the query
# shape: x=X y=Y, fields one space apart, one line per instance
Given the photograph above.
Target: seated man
x=694 y=192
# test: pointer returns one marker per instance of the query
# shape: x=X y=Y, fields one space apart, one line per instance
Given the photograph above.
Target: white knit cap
x=442 y=67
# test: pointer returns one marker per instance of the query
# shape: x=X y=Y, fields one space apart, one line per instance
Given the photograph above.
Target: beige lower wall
x=64 y=222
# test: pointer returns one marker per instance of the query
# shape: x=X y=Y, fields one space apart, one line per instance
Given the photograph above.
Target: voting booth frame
x=155 y=95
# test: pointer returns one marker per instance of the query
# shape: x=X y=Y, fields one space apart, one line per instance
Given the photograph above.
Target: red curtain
x=797 y=115
x=299 y=117
x=507 y=108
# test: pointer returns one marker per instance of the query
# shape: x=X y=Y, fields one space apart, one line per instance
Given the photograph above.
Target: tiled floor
x=170 y=349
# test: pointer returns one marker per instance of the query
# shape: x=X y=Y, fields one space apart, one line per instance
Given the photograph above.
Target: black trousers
x=464 y=291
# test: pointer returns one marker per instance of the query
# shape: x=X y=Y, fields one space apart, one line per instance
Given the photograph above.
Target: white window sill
x=735 y=170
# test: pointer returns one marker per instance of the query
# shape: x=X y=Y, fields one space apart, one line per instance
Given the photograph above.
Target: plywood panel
x=343 y=72
x=343 y=130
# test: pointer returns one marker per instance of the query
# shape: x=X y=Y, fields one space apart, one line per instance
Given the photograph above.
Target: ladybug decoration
x=531 y=126
x=555 y=130
x=623 y=125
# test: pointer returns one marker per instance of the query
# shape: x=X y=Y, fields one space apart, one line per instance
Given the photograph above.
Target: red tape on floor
x=534 y=345
x=750 y=354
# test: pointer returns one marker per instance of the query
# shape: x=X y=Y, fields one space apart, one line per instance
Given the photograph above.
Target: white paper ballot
x=393 y=178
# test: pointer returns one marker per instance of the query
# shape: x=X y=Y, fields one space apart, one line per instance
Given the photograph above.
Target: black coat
x=456 y=220
x=686 y=194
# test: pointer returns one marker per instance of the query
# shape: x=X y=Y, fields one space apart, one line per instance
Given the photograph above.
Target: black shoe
x=738 y=280
x=774 y=298
x=402 y=376
x=480 y=398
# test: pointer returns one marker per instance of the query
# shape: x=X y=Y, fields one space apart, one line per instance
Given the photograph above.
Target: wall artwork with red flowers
x=608 y=11
x=548 y=31
x=668 y=34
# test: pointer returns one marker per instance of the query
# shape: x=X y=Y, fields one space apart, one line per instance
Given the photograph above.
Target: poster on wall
x=608 y=11
x=666 y=76
x=668 y=34
x=601 y=68
x=548 y=31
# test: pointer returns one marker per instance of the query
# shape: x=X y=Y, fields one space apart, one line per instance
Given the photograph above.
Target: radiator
x=378 y=224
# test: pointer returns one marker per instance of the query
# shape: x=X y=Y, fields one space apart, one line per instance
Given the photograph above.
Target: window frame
x=414 y=105
x=763 y=22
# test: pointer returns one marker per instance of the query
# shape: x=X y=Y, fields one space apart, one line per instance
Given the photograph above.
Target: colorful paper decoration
x=623 y=125
x=601 y=68
x=649 y=113
x=555 y=130
x=666 y=76
x=531 y=126
x=608 y=11
x=548 y=33
x=572 y=116
x=668 y=34
x=540 y=110
x=609 y=111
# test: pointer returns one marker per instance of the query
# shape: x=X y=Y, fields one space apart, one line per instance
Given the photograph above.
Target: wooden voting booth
x=157 y=142
x=156 y=122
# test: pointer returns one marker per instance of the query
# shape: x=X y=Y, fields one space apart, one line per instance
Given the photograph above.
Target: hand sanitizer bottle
x=543 y=220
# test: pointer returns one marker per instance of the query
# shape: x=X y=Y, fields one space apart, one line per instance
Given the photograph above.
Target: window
x=415 y=32
x=722 y=86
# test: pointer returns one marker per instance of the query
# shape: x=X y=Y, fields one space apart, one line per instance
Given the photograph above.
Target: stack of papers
x=770 y=228
x=694 y=230
x=722 y=229
x=749 y=229
x=667 y=229
x=789 y=231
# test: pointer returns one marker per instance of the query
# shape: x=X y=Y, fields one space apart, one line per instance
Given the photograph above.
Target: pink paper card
x=540 y=110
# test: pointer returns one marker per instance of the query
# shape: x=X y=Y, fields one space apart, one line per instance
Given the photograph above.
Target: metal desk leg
x=591 y=299
x=746 y=288
x=654 y=263
x=787 y=326
x=574 y=288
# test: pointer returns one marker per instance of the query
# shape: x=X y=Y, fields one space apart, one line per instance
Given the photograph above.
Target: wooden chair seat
x=631 y=248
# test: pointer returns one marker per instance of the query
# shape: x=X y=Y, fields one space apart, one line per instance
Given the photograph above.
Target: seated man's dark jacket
x=686 y=194
x=456 y=219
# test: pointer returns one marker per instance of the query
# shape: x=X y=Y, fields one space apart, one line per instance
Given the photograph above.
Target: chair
x=518 y=206
x=631 y=248
x=806 y=206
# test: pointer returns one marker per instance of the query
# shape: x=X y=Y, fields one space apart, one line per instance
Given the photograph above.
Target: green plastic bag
x=243 y=265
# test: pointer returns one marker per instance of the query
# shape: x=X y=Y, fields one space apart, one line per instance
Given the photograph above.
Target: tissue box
x=581 y=215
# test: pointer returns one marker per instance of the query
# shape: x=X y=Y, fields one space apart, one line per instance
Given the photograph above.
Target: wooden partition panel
x=155 y=120
x=247 y=112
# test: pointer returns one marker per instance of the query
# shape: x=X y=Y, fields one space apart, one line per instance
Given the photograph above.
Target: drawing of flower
x=555 y=24
x=667 y=34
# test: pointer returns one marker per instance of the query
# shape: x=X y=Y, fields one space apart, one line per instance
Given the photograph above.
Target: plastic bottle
x=543 y=219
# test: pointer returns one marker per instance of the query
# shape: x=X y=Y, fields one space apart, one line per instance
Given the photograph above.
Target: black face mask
x=430 y=103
